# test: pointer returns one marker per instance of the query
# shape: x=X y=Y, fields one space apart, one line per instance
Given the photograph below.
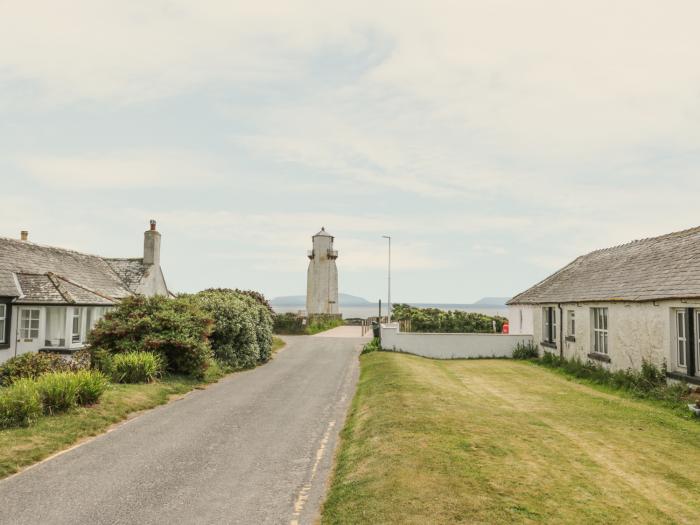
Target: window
x=55 y=326
x=3 y=320
x=571 y=323
x=549 y=318
x=681 y=336
x=600 y=330
x=76 y=332
x=29 y=323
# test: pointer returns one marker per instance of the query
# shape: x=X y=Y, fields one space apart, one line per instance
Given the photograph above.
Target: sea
x=363 y=312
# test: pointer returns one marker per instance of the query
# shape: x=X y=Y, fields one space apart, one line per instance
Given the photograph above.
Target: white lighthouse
x=322 y=277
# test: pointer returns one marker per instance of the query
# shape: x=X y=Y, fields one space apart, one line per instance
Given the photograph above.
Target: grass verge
x=277 y=344
x=498 y=441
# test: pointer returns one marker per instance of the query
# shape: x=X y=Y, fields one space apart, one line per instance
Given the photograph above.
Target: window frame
x=4 y=317
x=26 y=333
x=600 y=331
x=76 y=338
x=571 y=323
x=681 y=337
x=549 y=325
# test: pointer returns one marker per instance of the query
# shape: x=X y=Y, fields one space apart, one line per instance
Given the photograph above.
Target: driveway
x=257 y=447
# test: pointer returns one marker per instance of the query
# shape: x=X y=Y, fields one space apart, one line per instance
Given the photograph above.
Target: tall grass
x=136 y=367
x=20 y=404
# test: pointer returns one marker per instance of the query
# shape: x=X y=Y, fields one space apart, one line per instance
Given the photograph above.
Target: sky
x=495 y=141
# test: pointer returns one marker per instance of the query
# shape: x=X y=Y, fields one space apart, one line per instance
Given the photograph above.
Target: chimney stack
x=24 y=235
x=151 y=245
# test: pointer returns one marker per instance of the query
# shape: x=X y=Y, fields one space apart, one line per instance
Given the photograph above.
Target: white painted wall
x=451 y=346
x=520 y=319
x=636 y=332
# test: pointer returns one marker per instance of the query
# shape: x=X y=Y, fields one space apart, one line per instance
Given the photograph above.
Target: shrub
x=525 y=351
x=453 y=321
x=136 y=367
x=58 y=391
x=242 y=334
x=177 y=329
x=321 y=323
x=289 y=323
x=33 y=364
x=373 y=346
x=20 y=404
x=91 y=385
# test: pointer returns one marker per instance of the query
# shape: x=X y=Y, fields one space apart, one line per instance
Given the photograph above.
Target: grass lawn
x=499 y=441
x=277 y=344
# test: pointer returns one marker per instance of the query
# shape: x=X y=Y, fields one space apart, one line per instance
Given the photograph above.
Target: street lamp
x=389 y=297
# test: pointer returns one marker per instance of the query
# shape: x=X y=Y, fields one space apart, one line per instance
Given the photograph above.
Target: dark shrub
x=32 y=365
x=20 y=404
x=441 y=321
x=177 y=329
x=136 y=367
x=525 y=351
x=289 y=324
x=373 y=346
x=242 y=334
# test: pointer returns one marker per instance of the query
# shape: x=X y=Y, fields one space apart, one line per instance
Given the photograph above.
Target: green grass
x=317 y=327
x=277 y=344
x=497 y=441
x=20 y=447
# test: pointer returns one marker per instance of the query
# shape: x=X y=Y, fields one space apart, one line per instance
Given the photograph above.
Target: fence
x=451 y=346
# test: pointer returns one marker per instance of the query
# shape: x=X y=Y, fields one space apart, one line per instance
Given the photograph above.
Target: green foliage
x=33 y=364
x=525 y=351
x=20 y=404
x=177 y=329
x=373 y=346
x=58 y=391
x=289 y=324
x=136 y=367
x=648 y=383
x=441 y=321
x=321 y=323
x=242 y=333
x=91 y=385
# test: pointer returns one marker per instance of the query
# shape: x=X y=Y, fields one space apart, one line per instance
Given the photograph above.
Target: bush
x=33 y=364
x=91 y=385
x=136 y=367
x=289 y=323
x=177 y=329
x=526 y=351
x=58 y=391
x=320 y=323
x=20 y=404
x=373 y=346
x=648 y=383
x=242 y=334
x=453 y=321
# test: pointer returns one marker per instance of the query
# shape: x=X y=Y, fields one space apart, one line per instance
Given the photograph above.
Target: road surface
x=256 y=448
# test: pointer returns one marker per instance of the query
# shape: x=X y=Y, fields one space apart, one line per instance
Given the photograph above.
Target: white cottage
x=622 y=305
x=51 y=297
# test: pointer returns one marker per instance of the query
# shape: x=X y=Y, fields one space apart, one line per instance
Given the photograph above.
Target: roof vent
x=24 y=235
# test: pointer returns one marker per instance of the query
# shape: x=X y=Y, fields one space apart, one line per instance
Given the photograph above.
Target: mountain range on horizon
x=353 y=300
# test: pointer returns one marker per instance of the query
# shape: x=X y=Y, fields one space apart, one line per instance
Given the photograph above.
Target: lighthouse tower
x=322 y=277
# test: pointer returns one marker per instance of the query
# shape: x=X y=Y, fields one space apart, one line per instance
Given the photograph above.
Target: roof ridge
x=65 y=250
x=645 y=239
x=54 y=279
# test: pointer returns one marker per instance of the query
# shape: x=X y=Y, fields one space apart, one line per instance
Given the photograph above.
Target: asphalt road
x=255 y=448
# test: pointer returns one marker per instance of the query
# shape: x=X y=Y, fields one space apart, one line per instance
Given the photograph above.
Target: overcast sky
x=494 y=140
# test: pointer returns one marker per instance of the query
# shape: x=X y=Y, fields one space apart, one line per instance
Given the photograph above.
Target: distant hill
x=300 y=300
x=492 y=301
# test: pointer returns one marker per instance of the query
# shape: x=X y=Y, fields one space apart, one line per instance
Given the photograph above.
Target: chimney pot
x=24 y=235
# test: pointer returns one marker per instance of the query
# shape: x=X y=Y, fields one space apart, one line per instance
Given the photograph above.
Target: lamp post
x=389 y=297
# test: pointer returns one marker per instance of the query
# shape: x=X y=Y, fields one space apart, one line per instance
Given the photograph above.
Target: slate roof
x=130 y=271
x=666 y=267
x=48 y=275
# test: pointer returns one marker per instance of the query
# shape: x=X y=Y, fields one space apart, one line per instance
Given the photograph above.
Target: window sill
x=680 y=376
x=570 y=338
x=599 y=357
x=4 y=346
x=549 y=345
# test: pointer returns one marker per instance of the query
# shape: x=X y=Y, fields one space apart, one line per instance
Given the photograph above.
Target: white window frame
x=76 y=338
x=681 y=337
x=549 y=332
x=28 y=332
x=697 y=340
x=571 y=323
x=599 y=341
x=3 y=323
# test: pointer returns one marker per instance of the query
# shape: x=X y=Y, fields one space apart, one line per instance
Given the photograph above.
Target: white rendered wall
x=322 y=279
x=520 y=319
x=451 y=346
